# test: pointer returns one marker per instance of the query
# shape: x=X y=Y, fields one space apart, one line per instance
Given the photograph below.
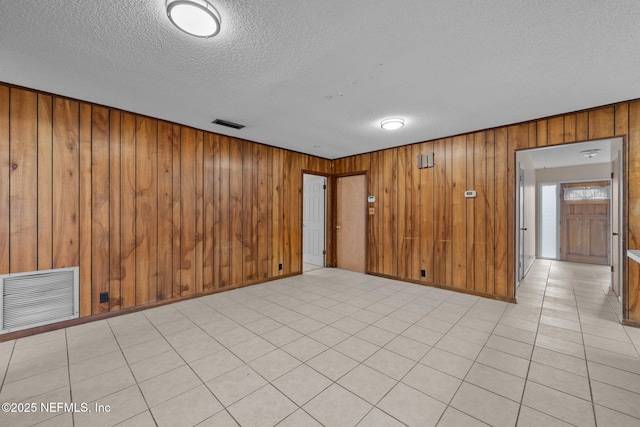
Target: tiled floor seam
x=533 y=347
x=134 y=377
x=584 y=348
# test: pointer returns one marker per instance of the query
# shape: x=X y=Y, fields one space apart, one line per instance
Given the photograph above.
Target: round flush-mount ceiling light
x=392 y=123
x=590 y=153
x=195 y=17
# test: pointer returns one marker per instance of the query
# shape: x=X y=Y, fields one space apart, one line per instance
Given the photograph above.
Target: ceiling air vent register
x=227 y=124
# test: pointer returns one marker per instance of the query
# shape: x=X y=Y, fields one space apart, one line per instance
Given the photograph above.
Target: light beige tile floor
x=338 y=348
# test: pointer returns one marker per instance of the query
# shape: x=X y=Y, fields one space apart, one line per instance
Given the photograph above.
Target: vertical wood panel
x=249 y=209
x=372 y=229
x=225 y=220
x=480 y=213
x=570 y=123
x=263 y=241
x=633 y=209
x=177 y=211
x=501 y=212
x=440 y=211
x=23 y=179
x=4 y=179
x=199 y=213
x=582 y=126
x=416 y=210
x=66 y=183
x=427 y=238
x=85 y=232
x=165 y=211
x=491 y=211
x=542 y=133
x=470 y=214
x=146 y=210
x=512 y=143
x=459 y=211
x=218 y=231
x=387 y=232
x=402 y=193
x=188 y=160
x=555 y=129
x=208 y=210
x=621 y=119
x=295 y=204
x=128 y=209
x=276 y=208
x=100 y=178
x=115 y=198
x=235 y=211
x=601 y=123
x=44 y=181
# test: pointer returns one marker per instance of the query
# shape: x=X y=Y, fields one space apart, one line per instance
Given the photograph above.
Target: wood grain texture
x=149 y=210
x=188 y=213
x=128 y=211
x=115 y=225
x=165 y=211
x=159 y=201
x=458 y=215
x=146 y=210
x=23 y=179
x=632 y=189
x=66 y=183
x=85 y=208
x=208 y=213
x=480 y=212
x=45 y=181
x=440 y=212
x=100 y=224
x=5 y=153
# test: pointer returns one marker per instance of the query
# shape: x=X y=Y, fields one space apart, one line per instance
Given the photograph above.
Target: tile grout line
x=133 y=376
x=533 y=347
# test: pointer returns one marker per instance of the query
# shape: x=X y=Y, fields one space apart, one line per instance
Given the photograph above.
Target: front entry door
x=585 y=224
x=350 y=222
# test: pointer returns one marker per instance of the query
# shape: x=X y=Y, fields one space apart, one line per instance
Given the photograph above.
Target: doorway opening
x=314 y=222
x=568 y=210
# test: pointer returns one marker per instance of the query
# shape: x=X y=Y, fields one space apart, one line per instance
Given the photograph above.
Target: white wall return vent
x=38 y=298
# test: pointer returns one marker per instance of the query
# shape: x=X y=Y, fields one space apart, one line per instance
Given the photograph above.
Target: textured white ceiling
x=570 y=154
x=318 y=76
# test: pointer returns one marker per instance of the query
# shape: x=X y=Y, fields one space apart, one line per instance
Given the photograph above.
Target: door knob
x=615 y=234
x=337 y=227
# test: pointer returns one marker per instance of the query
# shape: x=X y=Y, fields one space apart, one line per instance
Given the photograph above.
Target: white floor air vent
x=38 y=298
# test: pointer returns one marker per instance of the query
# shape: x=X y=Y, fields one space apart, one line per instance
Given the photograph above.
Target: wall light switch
x=372 y=211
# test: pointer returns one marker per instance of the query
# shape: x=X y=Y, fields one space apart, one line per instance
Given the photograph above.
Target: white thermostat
x=371 y=199
x=470 y=193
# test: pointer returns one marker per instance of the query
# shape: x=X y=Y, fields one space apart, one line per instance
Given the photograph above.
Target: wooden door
x=615 y=227
x=313 y=225
x=350 y=222
x=585 y=227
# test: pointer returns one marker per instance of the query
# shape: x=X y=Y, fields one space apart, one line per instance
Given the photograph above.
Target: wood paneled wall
x=423 y=221
x=149 y=210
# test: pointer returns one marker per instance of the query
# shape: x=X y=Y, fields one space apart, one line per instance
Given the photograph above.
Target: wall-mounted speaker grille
x=227 y=124
x=38 y=298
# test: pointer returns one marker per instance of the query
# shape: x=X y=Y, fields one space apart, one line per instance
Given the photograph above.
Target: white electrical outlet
x=470 y=193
